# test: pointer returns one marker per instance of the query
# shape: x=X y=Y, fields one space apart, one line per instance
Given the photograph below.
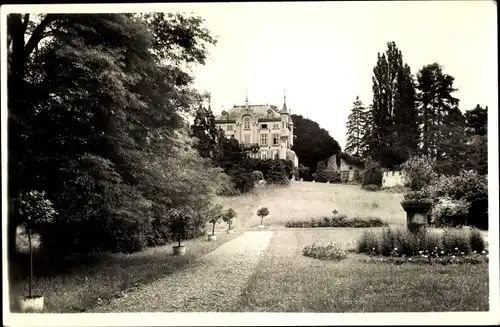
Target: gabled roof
x=257 y=111
x=350 y=160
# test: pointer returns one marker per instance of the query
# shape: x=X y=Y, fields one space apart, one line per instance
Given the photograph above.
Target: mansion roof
x=261 y=112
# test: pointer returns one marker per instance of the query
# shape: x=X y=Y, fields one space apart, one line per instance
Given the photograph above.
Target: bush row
x=400 y=242
x=337 y=221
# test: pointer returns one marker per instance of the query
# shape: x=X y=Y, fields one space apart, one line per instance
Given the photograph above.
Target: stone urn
x=212 y=238
x=416 y=214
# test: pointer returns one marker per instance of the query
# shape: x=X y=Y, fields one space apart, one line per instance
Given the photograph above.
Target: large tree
x=90 y=97
x=476 y=128
x=312 y=143
x=442 y=123
x=394 y=131
x=356 y=131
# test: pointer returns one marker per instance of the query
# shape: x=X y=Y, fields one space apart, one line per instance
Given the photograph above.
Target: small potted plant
x=180 y=218
x=418 y=174
x=228 y=217
x=34 y=210
x=262 y=212
x=215 y=216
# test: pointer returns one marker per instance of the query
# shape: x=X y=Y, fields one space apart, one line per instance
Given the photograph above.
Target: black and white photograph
x=250 y=163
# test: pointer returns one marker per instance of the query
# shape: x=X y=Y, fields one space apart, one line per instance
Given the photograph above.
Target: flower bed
x=338 y=221
x=330 y=251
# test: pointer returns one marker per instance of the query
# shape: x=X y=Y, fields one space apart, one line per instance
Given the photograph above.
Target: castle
x=263 y=130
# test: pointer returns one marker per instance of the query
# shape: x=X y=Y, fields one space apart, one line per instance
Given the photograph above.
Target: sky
x=322 y=54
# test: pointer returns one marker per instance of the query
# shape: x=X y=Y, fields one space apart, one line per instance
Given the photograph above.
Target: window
x=263 y=139
x=246 y=124
x=247 y=139
x=276 y=139
x=350 y=167
x=264 y=126
x=229 y=127
x=283 y=125
x=263 y=155
x=276 y=155
x=276 y=126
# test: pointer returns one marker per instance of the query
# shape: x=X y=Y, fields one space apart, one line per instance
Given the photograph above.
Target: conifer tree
x=355 y=125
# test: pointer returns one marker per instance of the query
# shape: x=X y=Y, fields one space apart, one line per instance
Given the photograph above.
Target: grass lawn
x=306 y=200
x=81 y=284
x=287 y=281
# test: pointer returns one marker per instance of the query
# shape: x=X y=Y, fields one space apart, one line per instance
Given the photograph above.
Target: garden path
x=213 y=282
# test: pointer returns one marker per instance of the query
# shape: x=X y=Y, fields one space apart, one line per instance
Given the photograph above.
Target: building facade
x=346 y=165
x=392 y=178
x=263 y=130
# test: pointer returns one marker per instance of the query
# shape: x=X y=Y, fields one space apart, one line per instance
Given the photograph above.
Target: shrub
x=329 y=251
x=278 y=173
x=448 y=212
x=262 y=213
x=257 y=175
x=368 y=243
x=401 y=242
x=326 y=175
x=476 y=240
x=372 y=174
x=418 y=172
x=371 y=187
x=337 y=221
x=357 y=178
x=468 y=186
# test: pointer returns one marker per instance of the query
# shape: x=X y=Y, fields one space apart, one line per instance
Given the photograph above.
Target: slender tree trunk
x=213 y=229
x=180 y=234
x=261 y=220
x=31 y=262
x=229 y=225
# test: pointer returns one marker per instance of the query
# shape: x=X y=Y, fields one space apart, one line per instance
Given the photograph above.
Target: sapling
x=263 y=212
x=229 y=214
x=35 y=210
x=215 y=217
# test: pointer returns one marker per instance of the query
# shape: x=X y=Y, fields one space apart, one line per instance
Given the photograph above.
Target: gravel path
x=214 y=282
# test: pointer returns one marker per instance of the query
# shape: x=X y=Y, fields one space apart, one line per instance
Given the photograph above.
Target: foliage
x=394 y=131
x=443 y=130
x=263 y=212
x=35 y=209
x=215 y=214
x=228 y=216
x=470 y=187
x=312 y=143
x=357 y=178
x=326 y=175
x=337 y=221
x=418 y=172
x=476 y=121
x=403 y=243
x=277 y=173
x=95 y=103
x=372 y=174
x=257 y=175
x=329 y=251
x=450 y=212
x=355 y=130
x=371 y=187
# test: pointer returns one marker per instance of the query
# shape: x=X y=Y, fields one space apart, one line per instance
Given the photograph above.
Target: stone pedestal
x=416 y=214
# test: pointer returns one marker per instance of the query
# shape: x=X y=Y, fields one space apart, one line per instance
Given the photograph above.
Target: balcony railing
x=285 y=132
x=250 y=146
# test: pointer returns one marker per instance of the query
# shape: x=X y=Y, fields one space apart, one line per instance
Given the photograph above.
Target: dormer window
x=246 y=123
x=264 y=126
x=269 y=113
x=224 y=114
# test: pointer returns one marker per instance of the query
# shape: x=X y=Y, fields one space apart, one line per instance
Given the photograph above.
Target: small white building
x=392 y=178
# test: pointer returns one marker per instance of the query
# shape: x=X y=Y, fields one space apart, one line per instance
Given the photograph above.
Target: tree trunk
x=261 y=220
x=213 y=229
x=31 y=262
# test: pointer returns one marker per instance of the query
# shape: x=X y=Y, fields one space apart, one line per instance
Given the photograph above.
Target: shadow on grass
x=82 y=282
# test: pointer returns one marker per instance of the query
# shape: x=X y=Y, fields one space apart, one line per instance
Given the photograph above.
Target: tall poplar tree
x=394 y=134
